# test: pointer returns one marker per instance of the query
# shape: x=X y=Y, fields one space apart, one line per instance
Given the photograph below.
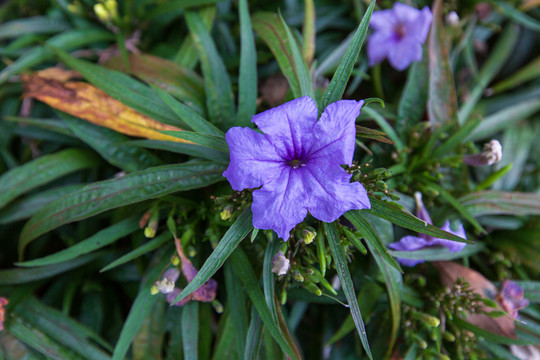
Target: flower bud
x=491 y=154
x=308 y=234
x=281 y=264
x=218 y=307
x=226 y=213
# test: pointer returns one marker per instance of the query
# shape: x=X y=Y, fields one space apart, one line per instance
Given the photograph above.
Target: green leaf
x=28 y=206
x=188 y=55
x=308 y=32
x=245 y=273
x=247 y=71
x=183 y=148
x=39 y=341
x=236 y=303
x=210 y=141
x=192 y=119
x=179 y=81
x=61 y=328
x=236 y=233
x=385 y=126
x=148 y=342
x=337 y=86
x=33 y=25
x=67 y=40
x=43 y=170
x=268 y=275
x=110 y=194
x=254 y=336
x=526 y=73
x=396 y=215
x=274 y=33
x=518 y=16
x=300 y=66
x=346 y=282
x=392 y=277
x=493 y=202
x=489 y=336
x=153 y=244
x=141 y=306
x=123 y=88
x=438 y=254
x=97 y=241
x=455 y=139
x=217 y=85
x=414 y=96
x=112 y=146
x=190 y=330
x=497 y=58
x=21 y=276
x=361 y=223
x=442 y=99
x=504 y=118
x=458 y=206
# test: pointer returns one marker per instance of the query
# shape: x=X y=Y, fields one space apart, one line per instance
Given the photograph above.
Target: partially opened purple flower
x=296 y=163
x=413 y=243
x=512 y=298
x=399 y=35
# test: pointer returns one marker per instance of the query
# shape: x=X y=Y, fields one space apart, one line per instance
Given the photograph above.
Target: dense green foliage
x=97 y=181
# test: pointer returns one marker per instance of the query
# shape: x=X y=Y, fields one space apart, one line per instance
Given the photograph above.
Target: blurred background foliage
x=96 y=180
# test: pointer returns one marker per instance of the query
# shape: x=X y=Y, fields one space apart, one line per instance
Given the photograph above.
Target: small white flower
x=281 y=264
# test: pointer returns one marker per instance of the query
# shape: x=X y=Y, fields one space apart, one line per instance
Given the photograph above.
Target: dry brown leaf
x=449 y=272
x=87 y=102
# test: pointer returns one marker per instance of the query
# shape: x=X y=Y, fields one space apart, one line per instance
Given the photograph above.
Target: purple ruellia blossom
x=511 y=298
x=399 y=35
x=297 y=162
x=412 y=243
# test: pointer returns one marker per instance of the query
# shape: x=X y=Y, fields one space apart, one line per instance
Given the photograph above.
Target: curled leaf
x=83 y=100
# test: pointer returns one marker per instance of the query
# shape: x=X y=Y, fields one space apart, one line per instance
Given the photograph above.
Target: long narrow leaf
x=43 y=170
x=236 y=233
x=245 y=273
x=396 y=215
x=219 y=95
x=97 y=241
x=346 y=282
x=335 y=90
x=247 y=77
x=110 y=194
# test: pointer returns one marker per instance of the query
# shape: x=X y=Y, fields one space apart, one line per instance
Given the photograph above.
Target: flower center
x=296 y=163
x=400 y=31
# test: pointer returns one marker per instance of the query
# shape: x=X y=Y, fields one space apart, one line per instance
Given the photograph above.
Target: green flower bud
x=226 y=213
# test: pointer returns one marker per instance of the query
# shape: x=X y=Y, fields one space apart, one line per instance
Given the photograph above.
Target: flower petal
x=254 y=160
x=288 y=127
x=383 y=19
x=406 y=51
x=379 y=45
x=335 y=132
x=405 y=13
x=453 y=246
x=330 y=192
x=409 y=243
x=281 y=204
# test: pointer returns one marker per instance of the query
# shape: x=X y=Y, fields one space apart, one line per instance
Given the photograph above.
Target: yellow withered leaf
x=85 y=101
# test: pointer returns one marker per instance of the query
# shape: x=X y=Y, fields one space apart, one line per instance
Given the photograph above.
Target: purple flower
x=413 y=243
x=512 y=298
x=491 y=154
x=399 y=35
x=296 y=163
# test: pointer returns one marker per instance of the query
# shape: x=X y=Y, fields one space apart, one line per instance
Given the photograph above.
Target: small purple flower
x=413 y=243
x=491 y=154
x=296 y=164
x=512 y=298
x=399 y=35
